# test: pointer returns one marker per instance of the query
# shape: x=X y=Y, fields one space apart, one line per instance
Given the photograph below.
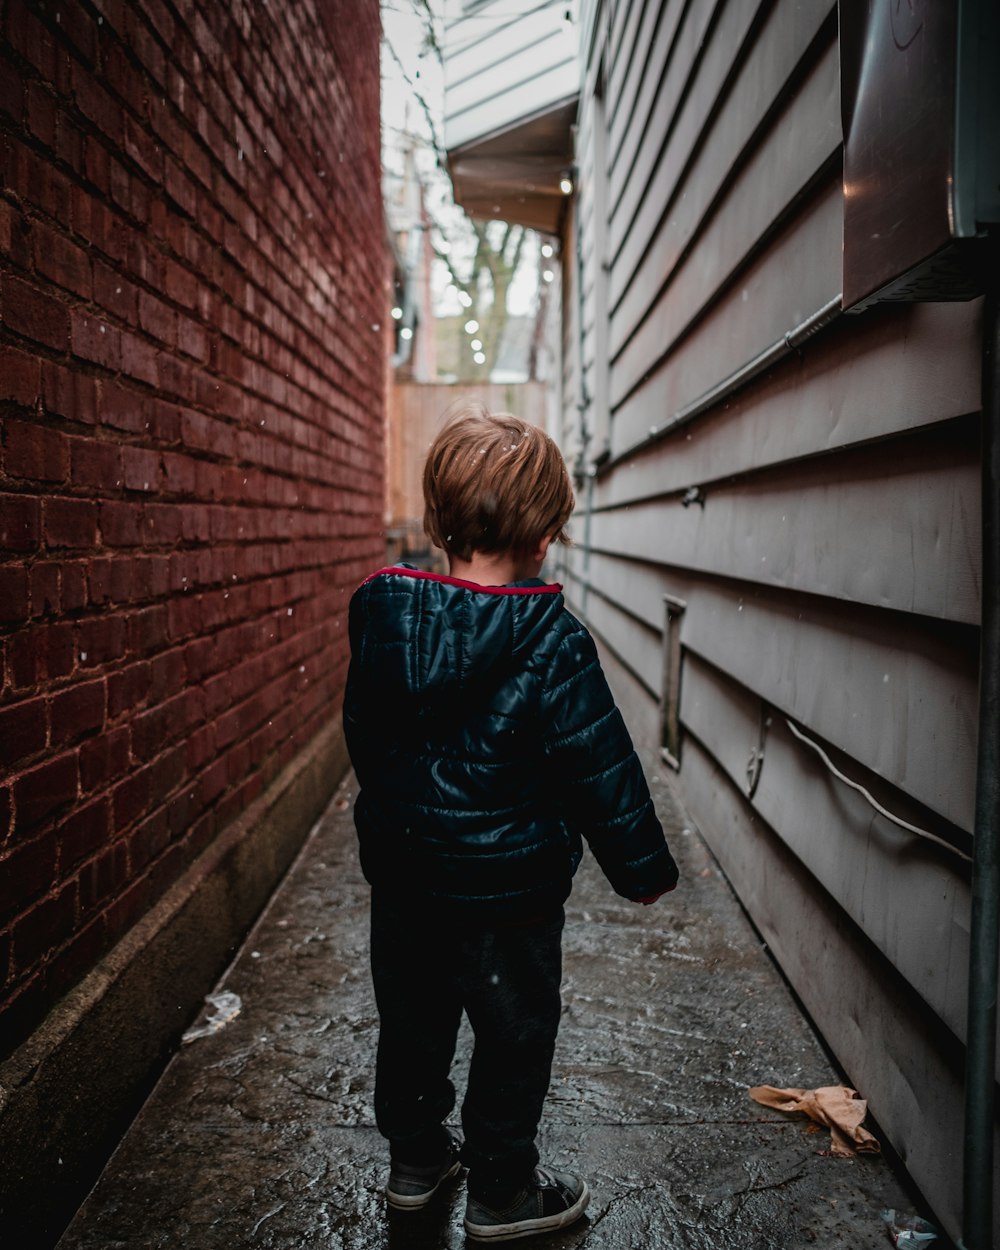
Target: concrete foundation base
x=68 y=1094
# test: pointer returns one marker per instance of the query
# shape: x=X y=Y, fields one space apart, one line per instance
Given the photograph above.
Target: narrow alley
x=262 y=1134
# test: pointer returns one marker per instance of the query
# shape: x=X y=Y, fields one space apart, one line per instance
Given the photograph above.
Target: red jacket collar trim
x=549 y=588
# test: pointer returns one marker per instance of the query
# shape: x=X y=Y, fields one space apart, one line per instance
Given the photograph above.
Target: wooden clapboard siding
x=505 y=62
x=894 y=524
x=777 y=175
x=896 y=370
x=910 y=898
x=893 y=1046
x=830 y=566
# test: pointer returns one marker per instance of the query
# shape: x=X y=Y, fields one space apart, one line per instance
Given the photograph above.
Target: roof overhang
x=514 y=174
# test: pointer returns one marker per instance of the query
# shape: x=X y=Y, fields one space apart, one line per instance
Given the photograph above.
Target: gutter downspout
x=980 y=1063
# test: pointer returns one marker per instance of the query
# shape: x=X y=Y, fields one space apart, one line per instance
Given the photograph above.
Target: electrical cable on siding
x=896 y=820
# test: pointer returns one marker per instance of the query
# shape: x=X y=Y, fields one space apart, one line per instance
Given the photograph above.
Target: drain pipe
x=980 y=1062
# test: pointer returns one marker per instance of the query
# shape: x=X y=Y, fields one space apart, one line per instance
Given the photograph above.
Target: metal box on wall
x=920 y=102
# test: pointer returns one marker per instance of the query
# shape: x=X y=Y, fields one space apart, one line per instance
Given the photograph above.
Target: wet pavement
x=262 y=1134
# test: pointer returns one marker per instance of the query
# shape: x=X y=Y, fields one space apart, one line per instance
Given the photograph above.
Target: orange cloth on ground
x=840 y=1108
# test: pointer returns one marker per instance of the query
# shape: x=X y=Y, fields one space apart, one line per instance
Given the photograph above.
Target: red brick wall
x=191 y=460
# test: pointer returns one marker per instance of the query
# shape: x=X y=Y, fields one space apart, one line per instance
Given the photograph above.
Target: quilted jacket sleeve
x=597 y=775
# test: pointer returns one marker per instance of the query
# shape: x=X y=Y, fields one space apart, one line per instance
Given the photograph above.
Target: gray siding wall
x=830 y=570
x=504 y=62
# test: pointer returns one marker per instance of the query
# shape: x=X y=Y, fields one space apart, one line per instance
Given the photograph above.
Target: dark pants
x=426 y=970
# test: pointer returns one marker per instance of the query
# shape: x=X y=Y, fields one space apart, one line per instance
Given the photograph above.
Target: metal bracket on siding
x=755 y=764
x=670 y=684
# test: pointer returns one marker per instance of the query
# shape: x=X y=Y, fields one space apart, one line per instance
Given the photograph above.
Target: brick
x=164 y=419
x=69 y=522
x=35 y=452
x=13 y=593
x=11 y=89
x=41 y=114
x=97 y=169
x=127 y=689
x=121 y=524
x=77 y=27
x=69 y=393
x=155 y=729
x=30 y=312
x=27 y=872
x=73 y=586
x=95 y=340
x=147 y=630
x=20 y=377
x=42 y=929
x=140 y=468
x=139 y=358
x=179 y=473
x=115 y=293
x=164 y=524
x=23 y=730
x=158 y=319
x=149 y=839
x=167 y=674
x=20 y=523
x=151 y=577
x=192 y=339
x=46 y=599
x=31 y=39
x=130 y=799
x=122 y=408
x=62 y=261
x=101 y=640
x=69 y=141
x=103 y=877
x=141 y=148
x=58 y=648
x=104 y=759
x=169 y=772
x=42 y=791
x=95 y=465
x=76 y=712
x=83 y=832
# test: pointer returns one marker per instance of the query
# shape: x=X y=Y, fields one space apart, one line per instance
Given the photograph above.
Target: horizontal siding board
x=783 y=159
x=523 y=65
x=892 y=1048
x=903 y=697
x=797 y=274
x=910 y=896
x=892 y=370
x=487 y=22
x=633 y=59
x=904 y=702
x=480 y=61
x=900 y=532
x=511 y=103
x=780 y=172
x=638 y=152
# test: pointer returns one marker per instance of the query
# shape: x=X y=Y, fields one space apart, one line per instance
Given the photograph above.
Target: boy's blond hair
x=494 y=483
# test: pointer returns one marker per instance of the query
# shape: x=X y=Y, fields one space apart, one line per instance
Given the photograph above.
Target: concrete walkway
x=262 y=1134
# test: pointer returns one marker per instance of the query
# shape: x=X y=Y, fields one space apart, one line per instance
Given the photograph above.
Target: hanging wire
x=882 y=811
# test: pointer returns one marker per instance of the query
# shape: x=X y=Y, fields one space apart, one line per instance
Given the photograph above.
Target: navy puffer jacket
x=486 y=743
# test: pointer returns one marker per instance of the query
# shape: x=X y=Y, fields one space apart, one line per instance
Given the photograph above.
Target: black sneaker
x=409 y=1187
x=552 y=1200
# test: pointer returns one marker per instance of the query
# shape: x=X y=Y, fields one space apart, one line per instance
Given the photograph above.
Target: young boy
x=486 y=742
